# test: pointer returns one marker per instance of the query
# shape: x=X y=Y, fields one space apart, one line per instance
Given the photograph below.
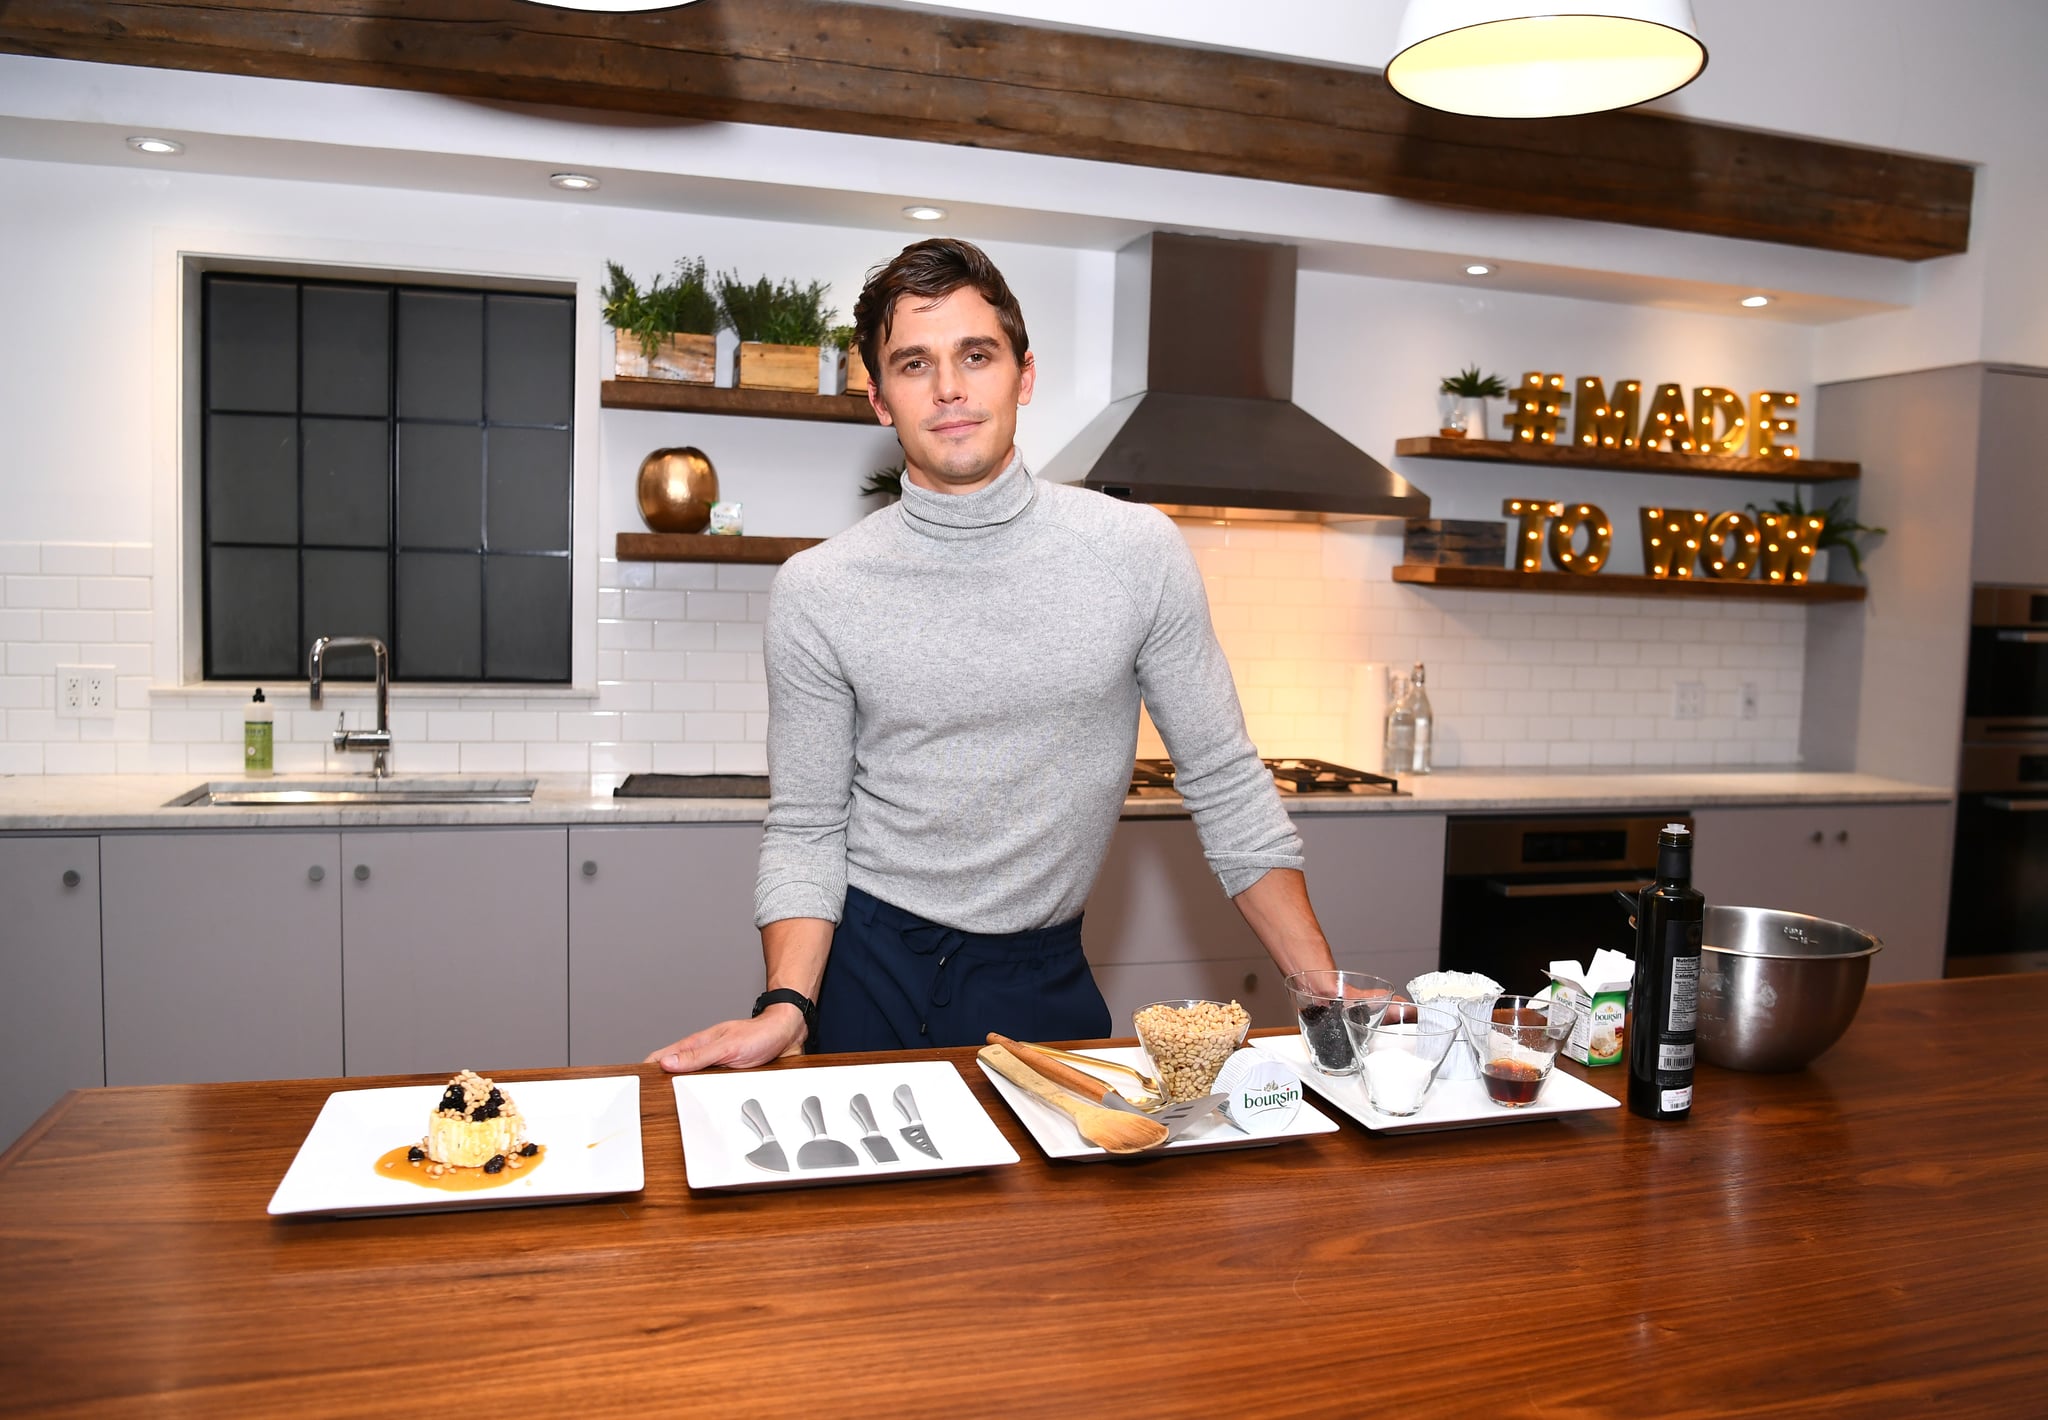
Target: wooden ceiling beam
x=934 y=77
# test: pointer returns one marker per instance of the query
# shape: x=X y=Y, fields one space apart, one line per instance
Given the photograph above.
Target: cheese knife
x=821 y=1151
x=769 y=1156
x=871 y=1138
x=915 y=1133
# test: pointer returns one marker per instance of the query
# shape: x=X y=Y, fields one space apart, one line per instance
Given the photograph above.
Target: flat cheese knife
x=871 y=1137
x=769 y=1156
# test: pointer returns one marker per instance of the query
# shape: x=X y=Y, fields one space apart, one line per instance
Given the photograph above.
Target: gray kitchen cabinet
x=661 y=935
x=1881 y=868
x=50 y=1037
x=1158 y=921
x=456 y=949
x=222 y=956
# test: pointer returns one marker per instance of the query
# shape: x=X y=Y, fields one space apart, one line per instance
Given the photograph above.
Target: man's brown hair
x=932 y=270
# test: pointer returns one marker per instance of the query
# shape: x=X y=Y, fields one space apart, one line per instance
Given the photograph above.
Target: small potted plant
x=666 y=332
x=1839 y=529
x=781 y=327
x=856 y=368
x=1462 y=400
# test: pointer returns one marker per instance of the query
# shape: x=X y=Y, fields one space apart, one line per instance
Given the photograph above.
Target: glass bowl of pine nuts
x=1189 y=1041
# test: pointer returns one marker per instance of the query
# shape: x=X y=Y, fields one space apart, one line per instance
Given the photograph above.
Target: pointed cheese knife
x=918 y=1136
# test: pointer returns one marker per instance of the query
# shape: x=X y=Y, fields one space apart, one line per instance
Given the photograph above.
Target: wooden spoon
x=1109 y=1129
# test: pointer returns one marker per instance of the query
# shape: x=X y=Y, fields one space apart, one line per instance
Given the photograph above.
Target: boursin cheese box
x=1598 y=996
x=1261 y=1094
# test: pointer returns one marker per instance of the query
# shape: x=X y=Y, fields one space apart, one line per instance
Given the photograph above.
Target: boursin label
x=1262 y=1094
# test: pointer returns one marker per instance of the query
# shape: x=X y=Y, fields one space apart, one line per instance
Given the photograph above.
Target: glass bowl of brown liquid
x=1517 y=1041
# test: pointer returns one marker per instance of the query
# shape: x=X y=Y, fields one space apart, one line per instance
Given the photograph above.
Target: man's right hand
x=742 y=1045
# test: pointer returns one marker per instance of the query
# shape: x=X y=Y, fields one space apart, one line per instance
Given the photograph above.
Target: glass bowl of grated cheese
x=1451 y=990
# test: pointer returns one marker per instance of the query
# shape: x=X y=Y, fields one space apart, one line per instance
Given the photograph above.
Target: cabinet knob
x=316 y=874
x=1842 y=837
x=1251 y=982
x=71 y=878
x=1818 y=835
x=589 y=868
x=362 y=872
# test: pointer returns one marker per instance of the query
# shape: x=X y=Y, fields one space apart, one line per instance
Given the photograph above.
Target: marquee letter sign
x=1665 y=424
x=1788 y=544
x=1709 y=404
x=1730 y=552
x=1767 y=420
x=1529 y=514
x=1564 y=532
x=1601 y=423
x=1536 y=409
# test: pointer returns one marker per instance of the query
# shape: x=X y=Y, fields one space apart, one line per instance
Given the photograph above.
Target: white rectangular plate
x=1056 y=1134
x=717 y=1140
x=591 y=1129
x=1452 y=1104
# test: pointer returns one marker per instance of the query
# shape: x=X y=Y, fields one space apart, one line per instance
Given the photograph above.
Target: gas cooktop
x=1153 y=778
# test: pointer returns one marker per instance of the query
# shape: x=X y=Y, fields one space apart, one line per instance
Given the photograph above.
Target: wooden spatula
x=1105 y=1128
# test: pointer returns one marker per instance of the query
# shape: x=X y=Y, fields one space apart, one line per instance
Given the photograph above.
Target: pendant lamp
x=1503 y=59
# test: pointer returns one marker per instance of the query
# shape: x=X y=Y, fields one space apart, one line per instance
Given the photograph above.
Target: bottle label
x=1675 y=1100
x=1685 y=985
x=1674 y=1057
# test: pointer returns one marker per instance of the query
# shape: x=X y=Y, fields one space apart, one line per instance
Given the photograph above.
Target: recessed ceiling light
x=922 y=212
x=1479 y=268
x=574 y=182
x=1754 y=301
x=143 y=144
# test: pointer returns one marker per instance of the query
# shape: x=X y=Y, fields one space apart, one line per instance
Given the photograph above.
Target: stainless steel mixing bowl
x=1777 y=988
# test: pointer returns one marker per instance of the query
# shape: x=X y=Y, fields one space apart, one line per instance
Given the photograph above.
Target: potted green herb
x=1839 y=529
x=856 y=368
x=781 y=327
x=1461 y=398
x=666 y=332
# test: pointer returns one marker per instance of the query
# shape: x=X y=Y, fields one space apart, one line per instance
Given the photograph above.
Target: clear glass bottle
x=1398 y=752
x=1425 y=722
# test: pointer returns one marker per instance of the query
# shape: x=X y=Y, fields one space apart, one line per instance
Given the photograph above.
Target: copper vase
x=677 y=488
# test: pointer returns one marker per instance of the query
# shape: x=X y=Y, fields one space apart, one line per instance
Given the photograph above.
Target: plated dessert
x=476 y=1138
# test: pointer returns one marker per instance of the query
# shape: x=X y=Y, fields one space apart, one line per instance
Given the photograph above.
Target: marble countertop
x=90 y=803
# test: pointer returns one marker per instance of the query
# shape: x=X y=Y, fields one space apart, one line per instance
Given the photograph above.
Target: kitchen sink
x=398 y=789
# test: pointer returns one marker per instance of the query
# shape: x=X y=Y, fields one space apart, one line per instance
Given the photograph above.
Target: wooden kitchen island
x=1867 y=1237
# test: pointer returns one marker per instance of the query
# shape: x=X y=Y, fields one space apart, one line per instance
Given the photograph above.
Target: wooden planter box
x=856 y=372
x=690 y=358
x=778 y=367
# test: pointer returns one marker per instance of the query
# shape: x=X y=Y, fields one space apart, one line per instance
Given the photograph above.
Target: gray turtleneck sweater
x=953 y=690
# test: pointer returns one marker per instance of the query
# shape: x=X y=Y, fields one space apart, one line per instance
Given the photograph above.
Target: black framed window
x=388 y=460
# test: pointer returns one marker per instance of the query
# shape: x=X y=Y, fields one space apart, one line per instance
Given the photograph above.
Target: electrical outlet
x=1689 y=700
x=1750 y=703
x=85 y=692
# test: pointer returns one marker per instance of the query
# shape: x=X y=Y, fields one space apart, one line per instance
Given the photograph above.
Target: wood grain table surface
x=1866 y=1237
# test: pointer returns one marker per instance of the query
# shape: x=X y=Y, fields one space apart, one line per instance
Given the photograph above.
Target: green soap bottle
x=256 y=737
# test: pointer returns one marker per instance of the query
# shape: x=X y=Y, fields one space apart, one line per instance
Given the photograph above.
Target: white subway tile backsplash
x=60 y=758
x=1517 y=678
x=41 y=591
x=127 y=593
x=79 y=559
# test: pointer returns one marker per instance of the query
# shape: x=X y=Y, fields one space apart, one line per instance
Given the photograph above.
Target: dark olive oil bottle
x=1669 y=917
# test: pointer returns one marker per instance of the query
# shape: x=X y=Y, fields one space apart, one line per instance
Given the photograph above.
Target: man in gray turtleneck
x=953 y=692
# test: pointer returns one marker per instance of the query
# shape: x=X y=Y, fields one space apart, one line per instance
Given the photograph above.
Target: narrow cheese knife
x=918 y=1136
x=769 y=1156
x=879 y=1149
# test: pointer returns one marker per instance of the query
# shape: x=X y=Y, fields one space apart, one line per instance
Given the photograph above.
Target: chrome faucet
x=377 y=741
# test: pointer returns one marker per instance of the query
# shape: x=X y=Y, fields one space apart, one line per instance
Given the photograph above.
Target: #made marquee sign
x=1718 y=422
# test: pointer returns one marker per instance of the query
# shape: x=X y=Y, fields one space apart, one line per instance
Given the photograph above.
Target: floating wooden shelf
x=1629 y=460
x=677 y=397
x=1621 y=584
x=709 y=547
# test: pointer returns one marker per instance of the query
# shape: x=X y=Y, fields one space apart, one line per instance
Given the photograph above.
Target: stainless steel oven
x=1520 y=893
x=1998 y=894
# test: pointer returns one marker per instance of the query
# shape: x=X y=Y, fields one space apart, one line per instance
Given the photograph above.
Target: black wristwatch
x=795 y=998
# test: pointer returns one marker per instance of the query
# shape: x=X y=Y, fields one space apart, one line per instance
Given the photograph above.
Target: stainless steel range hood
x=1201 y=420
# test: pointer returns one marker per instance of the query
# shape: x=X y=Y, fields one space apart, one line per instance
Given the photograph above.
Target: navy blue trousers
x=895 y=981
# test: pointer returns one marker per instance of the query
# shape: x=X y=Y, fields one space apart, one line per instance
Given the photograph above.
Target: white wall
x=678 y=676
